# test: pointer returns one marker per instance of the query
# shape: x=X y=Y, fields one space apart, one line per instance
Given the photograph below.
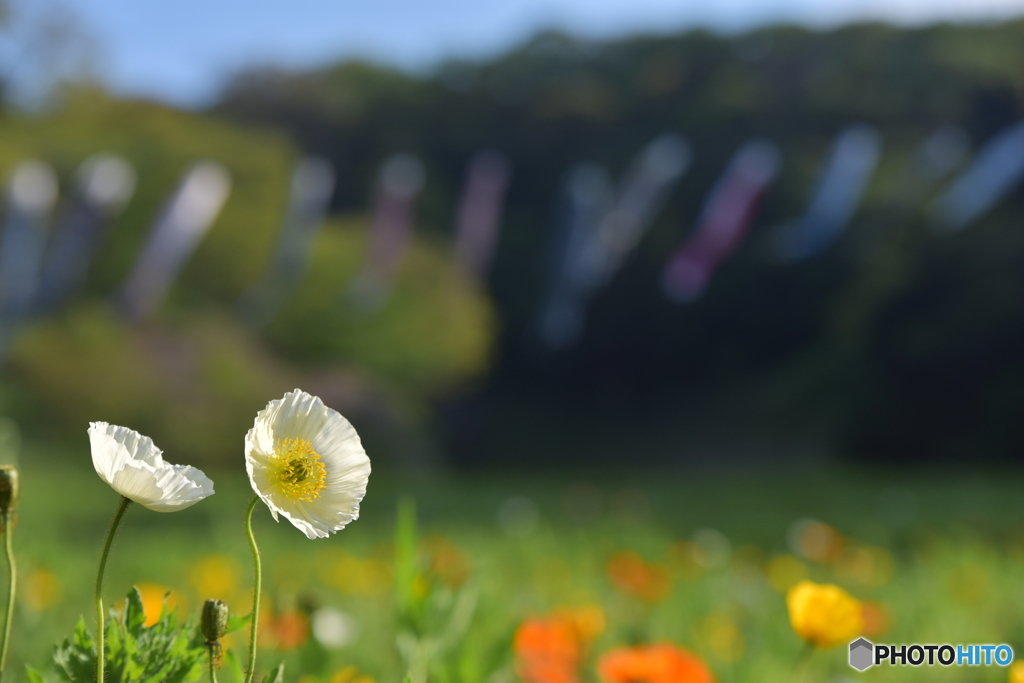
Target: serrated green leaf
x=33 y=676
x=134 y=612
x=82 y=638
x=73 y=662
x=166 y=652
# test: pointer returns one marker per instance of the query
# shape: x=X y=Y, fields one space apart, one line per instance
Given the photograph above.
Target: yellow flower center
x=297 y=470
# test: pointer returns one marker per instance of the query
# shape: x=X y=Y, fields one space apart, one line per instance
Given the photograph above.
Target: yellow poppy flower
x=824 y=615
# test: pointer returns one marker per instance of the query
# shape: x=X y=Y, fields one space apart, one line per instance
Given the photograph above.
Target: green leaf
x=134 y=612
x=76 y=661
x=275 y=676
x=33 y=676
x=82 y=638
x=405 y=555
x=460 y=617
x=237 y=623
x=232 y=664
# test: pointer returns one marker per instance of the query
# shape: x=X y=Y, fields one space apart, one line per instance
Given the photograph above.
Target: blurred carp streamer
x=394 y=216
x=185 y=220
x=311 y=189
x=724 y=220
x=479 y=214
x=603 y=228
x=854 y=156
x=934 y=159
x=104 y=184
x=31 y=194
x=642 y=193
x=941 y=153
x=588 y=195
x=999 y=168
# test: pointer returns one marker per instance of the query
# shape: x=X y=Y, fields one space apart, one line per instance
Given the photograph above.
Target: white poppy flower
x=305 y=462
x=134 y=467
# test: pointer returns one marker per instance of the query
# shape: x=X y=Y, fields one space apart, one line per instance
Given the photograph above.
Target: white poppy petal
x=135 y=468
x=307 y=525
x=256 y=467
x=329 y=500
x=181 y=486
x=137 y=481
x=108 y=455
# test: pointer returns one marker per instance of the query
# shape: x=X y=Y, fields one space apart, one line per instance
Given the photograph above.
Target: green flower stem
x=803 y=662
x=100 y=655
x=257 y=581
x=12 y=581
x=213 y=664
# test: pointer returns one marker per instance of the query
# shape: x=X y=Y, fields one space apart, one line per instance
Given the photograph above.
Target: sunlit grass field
x=701 y=560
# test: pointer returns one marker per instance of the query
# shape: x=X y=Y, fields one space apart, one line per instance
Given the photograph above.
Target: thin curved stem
x=257 y=581
x=100 y=654
x=12 y=582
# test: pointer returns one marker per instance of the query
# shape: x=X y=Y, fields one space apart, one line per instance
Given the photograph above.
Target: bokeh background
x=872 y=383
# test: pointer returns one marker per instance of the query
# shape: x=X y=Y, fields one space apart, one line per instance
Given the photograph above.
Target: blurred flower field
x=547 y=580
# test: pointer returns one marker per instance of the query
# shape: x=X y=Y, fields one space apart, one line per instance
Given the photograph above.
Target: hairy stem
x=257 y=581
x=213 y=663
x=11 y=583
x=100 y=654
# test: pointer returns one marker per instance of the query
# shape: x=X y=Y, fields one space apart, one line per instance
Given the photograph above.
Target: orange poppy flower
x=447 y=561
x=632 y=575
x=664 y=663
x=877 y=618
x=548 y=650
x=291 y=629
x=287 y=630
x=153 y=597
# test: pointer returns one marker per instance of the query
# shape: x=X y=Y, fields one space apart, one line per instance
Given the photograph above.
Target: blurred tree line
x=193 y=376
x=896 y=343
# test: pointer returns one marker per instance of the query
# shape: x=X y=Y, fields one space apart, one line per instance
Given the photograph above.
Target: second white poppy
x=305 y=461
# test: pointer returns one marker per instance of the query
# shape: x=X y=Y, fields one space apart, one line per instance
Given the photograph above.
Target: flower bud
x=214 y=622
x=8 y=488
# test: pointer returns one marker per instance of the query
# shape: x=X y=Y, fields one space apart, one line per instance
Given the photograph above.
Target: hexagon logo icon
x=861 y=654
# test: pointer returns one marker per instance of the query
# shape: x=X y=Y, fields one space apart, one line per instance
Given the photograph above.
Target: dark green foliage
x=893 y=331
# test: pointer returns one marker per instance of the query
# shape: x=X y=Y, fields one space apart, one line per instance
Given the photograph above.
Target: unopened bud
x=8 y=488
x=214 y=621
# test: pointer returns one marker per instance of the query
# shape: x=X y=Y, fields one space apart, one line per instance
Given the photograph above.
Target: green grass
x=957 y=539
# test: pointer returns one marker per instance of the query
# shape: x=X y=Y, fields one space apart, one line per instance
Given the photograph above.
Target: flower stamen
x=297 y=470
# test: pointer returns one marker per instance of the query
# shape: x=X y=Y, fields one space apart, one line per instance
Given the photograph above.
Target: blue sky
x=182 y=50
